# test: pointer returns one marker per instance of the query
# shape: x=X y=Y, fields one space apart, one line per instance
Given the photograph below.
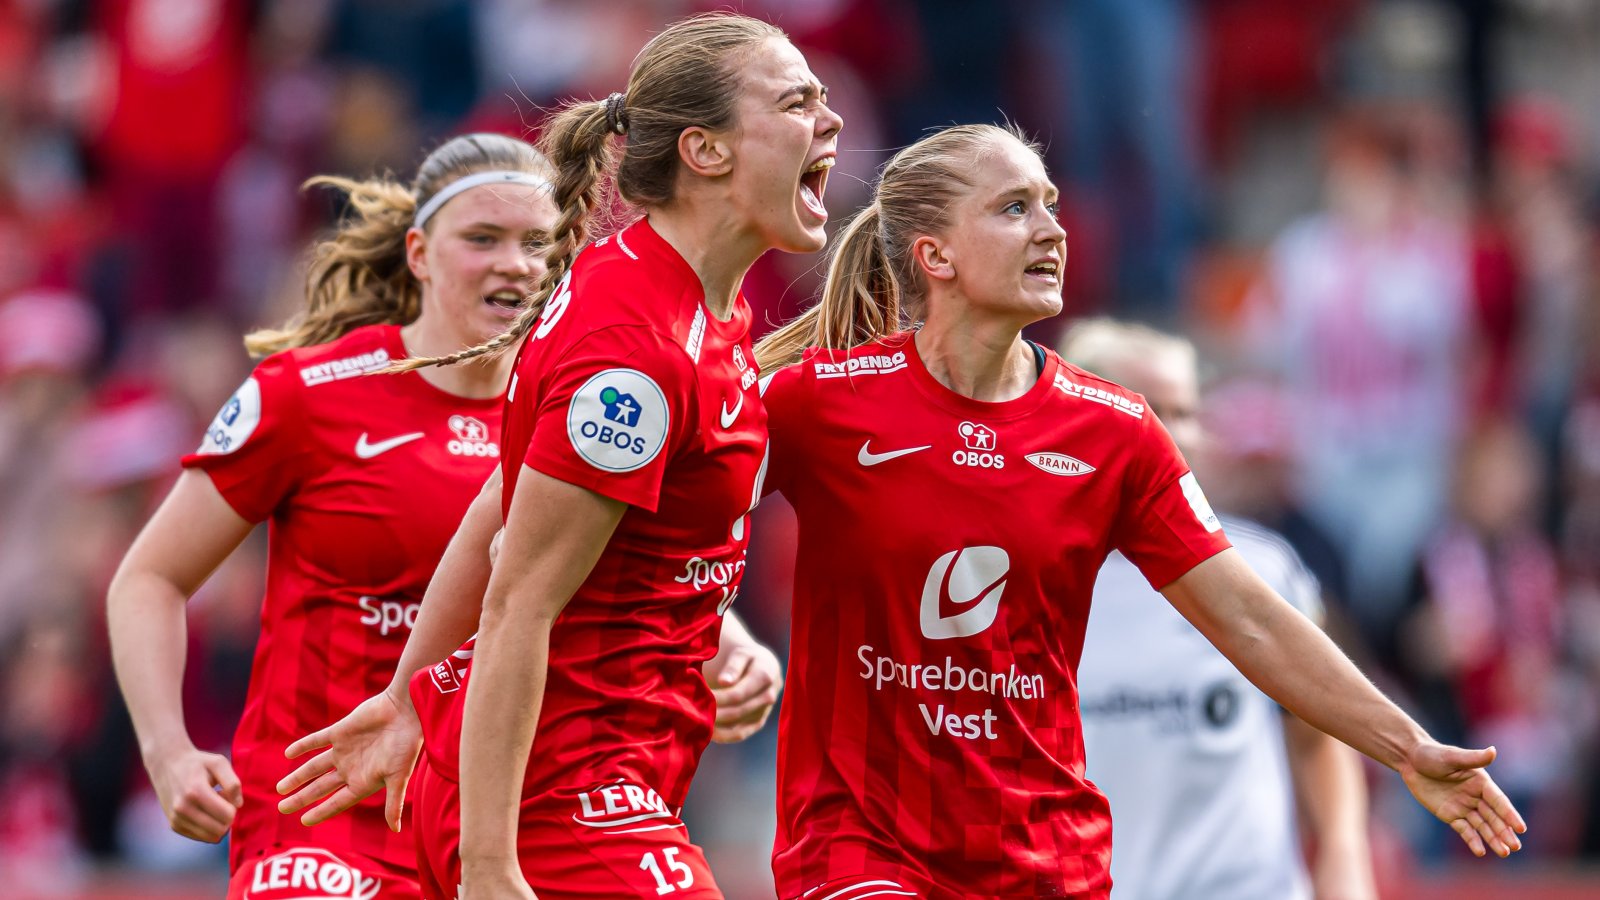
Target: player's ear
x=417 y=253
x=705 y=152
x=933 y=258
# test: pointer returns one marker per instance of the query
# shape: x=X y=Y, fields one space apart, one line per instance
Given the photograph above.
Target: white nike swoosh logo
x=368 y=451
x=729 y=415
x=868 y=458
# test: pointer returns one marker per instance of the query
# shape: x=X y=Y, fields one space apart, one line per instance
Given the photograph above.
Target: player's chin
x=803 y=237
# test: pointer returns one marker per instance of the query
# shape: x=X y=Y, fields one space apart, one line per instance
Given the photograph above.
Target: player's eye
x=1015 y=207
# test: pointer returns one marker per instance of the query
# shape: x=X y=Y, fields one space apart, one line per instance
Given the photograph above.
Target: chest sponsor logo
x=982 y=447
x=309 y=873
x=367 y=450
x=471 y=438
x=1177 y=710
x=340 y=369
x=702 y=574
x=235 y=422
x=1059 y=464
x=728 y=416
x=617 y=421
x=867 y=458
x=961 y=595
x=1198 y=503
x=623 y=807
x=1099 y=395
x=747 y=374
x=388 y=615
x=872 y=364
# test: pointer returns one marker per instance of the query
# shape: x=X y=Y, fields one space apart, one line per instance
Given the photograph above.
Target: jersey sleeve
x=1164 y=524
x=613 y=411
x=256 y=447
x=780 y=393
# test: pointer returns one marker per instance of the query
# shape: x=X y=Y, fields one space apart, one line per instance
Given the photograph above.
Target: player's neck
x=991 y=364
x=475 y=379
x=719 y=254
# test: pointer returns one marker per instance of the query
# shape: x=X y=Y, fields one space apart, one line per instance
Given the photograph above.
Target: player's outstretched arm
x=192 y=532
x=554 y=534
x=1290 y=659
x=375 y=746
x=746 y=678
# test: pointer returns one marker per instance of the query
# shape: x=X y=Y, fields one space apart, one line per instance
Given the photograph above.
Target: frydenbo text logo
x=962 y=594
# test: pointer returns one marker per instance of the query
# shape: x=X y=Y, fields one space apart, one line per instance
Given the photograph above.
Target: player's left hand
x=1452 y=784
x=746 y=680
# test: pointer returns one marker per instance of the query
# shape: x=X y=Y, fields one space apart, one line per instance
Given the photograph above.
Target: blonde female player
x=634 y=434
x=957 y=489
x=362 y=480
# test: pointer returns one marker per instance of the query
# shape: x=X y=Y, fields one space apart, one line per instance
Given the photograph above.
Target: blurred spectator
x=1480 y=646
x=1364 y=313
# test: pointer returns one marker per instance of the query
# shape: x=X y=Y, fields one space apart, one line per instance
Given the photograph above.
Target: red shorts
x=315 y=873
x=613 y=842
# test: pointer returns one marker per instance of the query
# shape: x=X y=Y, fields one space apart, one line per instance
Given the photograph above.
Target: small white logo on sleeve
x=1197 y=502
x=974 y=575
x=618 y=420
x=235 y=422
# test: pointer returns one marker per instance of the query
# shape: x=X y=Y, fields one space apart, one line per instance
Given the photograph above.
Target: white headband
x=468 y=182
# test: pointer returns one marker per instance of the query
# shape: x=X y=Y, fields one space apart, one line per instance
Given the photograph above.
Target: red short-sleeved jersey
x=930 y=737
x=363 y=479
x=627 y=386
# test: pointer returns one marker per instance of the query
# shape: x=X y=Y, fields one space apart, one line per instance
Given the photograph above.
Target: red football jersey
x=930 y=738
x=363 y=479
x=627 y=386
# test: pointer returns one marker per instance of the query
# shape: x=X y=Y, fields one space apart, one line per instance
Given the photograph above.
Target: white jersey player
x=1191 y=756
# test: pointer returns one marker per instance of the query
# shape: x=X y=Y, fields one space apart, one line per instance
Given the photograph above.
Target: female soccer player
x=634 y=434
x=363 y=480
x=957 y=489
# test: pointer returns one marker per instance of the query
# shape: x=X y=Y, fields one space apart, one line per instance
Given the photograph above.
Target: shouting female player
x=363 y=480
x=634 y=435
x=957 y=488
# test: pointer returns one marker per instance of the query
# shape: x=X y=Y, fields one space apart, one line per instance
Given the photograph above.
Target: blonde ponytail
x=860 y=300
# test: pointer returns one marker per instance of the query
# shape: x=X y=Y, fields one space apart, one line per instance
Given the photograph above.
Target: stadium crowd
x=1379 y=219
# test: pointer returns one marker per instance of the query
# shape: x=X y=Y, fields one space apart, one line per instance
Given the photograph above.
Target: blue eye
x=1055 y=208
x=1014 y=206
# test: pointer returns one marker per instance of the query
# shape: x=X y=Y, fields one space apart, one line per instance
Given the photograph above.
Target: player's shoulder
x=359 y=352
x=633 y=280
x=1082 y=392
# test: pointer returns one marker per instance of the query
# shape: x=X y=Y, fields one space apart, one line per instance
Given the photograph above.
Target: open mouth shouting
x=813 y=183
x=506 y=301
x=1047 y=270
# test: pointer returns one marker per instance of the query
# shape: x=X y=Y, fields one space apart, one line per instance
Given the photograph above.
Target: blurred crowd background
x=1380 y=220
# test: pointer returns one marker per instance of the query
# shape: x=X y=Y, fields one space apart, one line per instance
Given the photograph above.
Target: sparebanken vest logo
x=962 y=594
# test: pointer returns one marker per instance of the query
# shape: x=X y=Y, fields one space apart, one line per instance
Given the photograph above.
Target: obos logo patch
x=235 y=422
x=618 y=420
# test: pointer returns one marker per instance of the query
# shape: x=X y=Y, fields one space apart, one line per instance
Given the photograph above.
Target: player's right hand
x=1452 y=783
x=198 y=791
x=373 y=747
